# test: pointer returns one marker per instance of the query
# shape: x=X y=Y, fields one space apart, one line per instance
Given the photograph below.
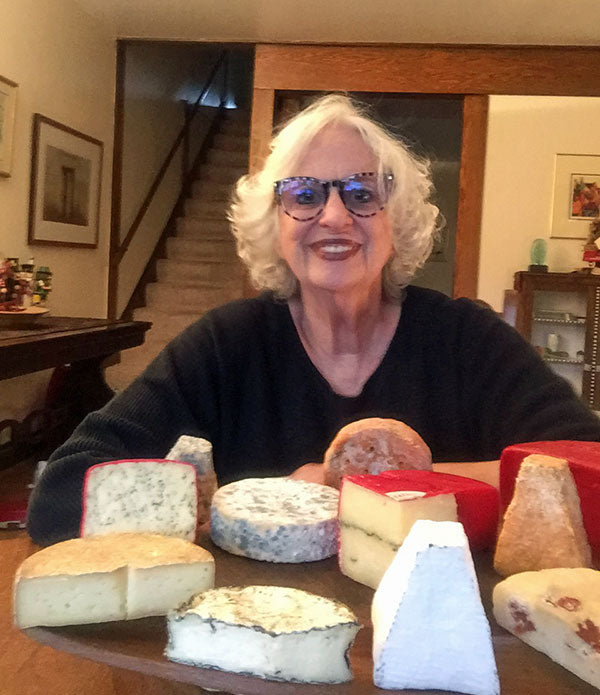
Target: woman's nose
x=335 y=212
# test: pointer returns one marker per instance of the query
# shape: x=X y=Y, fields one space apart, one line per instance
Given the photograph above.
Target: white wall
x=157 y=78
x=524 y=136
x=64 y=64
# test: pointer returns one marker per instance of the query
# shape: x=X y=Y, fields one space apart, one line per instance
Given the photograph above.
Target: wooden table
x=28 y=668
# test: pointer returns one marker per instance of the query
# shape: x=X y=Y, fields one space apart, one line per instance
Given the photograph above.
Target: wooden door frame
x=473 y=72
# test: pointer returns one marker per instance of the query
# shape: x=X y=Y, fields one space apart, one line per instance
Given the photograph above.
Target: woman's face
x=336 y=251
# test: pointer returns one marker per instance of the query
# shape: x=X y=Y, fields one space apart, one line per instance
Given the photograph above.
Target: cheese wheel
x=276 y=519
x=109 y=577
x=556 y=611
x=374 y=445
x=271 y=632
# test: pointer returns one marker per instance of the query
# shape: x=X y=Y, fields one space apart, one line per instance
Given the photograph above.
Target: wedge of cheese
x=271 y=632
x=556 y=611
x=276 y=519
x=584 y=463
x=377 y=512
x=374 y=445
x=140 y=496
x=429 y=627
x=542 y=527
x=109 y=577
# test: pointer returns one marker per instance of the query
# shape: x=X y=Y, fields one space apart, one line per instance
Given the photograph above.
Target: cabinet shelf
x=563 y=322
x=558 y=360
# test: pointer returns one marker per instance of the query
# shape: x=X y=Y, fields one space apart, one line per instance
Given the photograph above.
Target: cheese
x=109 y=577
x=556 y=611
x=276 y=519
x=377 y=512
x=542 y=526
x=584 y=463
x=198 y=452
x=270 y=632
x=153 y=496
x=429 y=627
x=373 y=445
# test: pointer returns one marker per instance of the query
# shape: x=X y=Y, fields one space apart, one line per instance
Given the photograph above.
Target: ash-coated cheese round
x=276 y=519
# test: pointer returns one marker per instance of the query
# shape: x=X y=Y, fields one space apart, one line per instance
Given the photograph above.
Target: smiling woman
x=332 y=229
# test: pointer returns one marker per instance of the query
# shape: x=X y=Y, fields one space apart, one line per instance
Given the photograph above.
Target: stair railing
x=118 y=250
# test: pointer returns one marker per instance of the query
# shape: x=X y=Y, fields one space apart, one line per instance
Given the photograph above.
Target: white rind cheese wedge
x=141 y=496
x=543 y=526
x=429 y=627
x=556 y=611
x=276 y=519
x=270 y=632
x=111 y=577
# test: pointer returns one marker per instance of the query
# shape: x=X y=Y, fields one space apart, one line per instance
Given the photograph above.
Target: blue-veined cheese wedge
x=276 y=519
x=430 y=631
x=271 y=632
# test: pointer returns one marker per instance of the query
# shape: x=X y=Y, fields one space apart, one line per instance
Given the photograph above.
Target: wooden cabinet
x=559 y=314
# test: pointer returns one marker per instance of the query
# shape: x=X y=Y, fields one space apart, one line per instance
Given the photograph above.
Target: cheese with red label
x=584 y=463
x=377 y=512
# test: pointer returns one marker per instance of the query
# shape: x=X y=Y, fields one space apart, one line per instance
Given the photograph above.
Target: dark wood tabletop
x=126 y=658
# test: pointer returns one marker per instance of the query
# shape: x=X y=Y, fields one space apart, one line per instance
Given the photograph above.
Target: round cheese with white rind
x=373 y=445
x=276 y=519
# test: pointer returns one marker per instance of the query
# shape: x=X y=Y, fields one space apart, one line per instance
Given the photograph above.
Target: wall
x=157 y=78
x=64 y=63
x=524 y=135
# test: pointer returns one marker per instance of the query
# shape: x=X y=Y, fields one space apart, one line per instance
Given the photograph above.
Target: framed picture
x=64 y=198
x=8 y=103
x=576 y=195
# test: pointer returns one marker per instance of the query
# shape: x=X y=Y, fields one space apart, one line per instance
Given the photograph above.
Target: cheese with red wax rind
x=377 y=512
x=584 y=463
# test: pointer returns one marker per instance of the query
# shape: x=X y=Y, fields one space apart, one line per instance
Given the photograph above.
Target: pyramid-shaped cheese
x=140 y=496
x=556 y=611
x=429 y=627
x=584 y=463
x=542 y=526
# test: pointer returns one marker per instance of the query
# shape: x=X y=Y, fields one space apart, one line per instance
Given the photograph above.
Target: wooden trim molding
x=261 y=126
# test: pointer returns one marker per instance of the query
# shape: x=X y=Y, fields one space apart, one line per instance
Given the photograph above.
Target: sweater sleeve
x=143 y=421
x=509 y=393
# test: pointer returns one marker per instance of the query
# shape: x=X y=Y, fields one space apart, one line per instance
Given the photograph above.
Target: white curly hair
x=254 y=215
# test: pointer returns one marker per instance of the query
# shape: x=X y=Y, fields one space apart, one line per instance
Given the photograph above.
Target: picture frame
x=66 y=175
x=8 y=108
x=576 y=195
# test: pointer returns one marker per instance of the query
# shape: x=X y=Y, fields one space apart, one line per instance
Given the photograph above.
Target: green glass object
x=537 y=255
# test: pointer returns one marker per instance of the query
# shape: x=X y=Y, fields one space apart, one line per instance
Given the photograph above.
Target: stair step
x=234 y=143
x=212 y=190
x=231 y=126
x=184 y=272
x=222 y=174
x=224 y=157
x=205 y=249
x=174 y=298
x=207 y=228
x=200 y=208
x=165 y=322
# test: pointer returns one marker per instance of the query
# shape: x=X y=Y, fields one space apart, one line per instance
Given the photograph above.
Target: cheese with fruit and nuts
x=110 y=577
x=429 y=627
x=140 y=496
x=276 y=519
x=198 y=452
x=272 y=632
x=584 y=463
x=556 y=611
x=377 y=512
x=542 y=527
x=373 y=445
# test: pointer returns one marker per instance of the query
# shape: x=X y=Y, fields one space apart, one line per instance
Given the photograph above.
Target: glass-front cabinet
x=558 y=313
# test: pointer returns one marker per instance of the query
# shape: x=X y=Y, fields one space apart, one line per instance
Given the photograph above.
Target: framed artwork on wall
x=64 y=197
x=576 y=195
x=8 y=104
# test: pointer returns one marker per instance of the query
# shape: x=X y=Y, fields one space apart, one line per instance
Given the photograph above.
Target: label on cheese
x=404 y=495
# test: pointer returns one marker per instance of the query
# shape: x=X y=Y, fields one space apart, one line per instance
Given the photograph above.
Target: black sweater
x=457 y=374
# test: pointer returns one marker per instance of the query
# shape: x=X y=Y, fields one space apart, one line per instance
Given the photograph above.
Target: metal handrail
x=120 y=252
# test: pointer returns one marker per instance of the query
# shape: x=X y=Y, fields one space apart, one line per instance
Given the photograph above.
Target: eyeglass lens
x=304 y=197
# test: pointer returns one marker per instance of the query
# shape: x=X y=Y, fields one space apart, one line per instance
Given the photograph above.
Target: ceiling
x=535 y=22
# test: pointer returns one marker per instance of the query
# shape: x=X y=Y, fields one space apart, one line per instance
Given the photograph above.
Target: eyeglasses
x=304 y=198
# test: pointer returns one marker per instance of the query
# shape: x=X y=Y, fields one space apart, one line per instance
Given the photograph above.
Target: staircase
x=201 y=270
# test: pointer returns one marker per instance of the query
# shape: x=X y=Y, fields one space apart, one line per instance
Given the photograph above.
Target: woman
x=333 y=228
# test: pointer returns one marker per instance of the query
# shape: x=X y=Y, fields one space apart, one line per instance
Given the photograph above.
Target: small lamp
x=537 y=256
